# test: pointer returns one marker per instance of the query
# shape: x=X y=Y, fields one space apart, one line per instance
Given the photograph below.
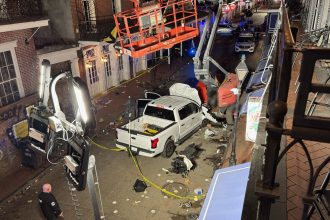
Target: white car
x=245 y=43
x=225 y=29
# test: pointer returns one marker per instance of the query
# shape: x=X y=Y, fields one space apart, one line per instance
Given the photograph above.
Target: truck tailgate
x=135 y=139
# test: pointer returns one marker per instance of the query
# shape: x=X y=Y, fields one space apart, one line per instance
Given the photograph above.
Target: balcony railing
x=14 y=11
x=96 y=30
x=263 y=188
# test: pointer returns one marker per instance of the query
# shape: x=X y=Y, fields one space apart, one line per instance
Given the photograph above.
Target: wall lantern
x=88 y=64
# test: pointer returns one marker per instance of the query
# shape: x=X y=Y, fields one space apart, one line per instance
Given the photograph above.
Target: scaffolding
x=156 y=25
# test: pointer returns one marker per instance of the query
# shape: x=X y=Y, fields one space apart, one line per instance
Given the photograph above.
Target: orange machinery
x=154 y=26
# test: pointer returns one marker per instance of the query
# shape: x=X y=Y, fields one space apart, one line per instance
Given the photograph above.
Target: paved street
x=116 y=170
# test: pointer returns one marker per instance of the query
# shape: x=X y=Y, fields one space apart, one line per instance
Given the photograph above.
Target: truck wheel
x=169 y=148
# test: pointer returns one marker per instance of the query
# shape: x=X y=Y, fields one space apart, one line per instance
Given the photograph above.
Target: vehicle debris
x=165 y=170
x=185 y=161
x=139 y=186
x=198 y=191
x=209 y=133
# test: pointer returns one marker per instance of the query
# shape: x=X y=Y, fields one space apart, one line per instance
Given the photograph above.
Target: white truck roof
x=170 y=102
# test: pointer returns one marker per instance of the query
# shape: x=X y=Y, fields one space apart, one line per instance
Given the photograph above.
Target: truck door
x=197 y=116
x=185 y=115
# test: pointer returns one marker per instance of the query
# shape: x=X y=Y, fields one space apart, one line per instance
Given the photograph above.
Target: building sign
x=90 y=53
x=252 y=119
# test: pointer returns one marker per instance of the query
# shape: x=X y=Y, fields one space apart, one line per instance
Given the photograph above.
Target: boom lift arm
x=202 y=69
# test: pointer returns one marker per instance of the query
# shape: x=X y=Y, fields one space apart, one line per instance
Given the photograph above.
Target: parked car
x=166 y=122
x=226 y=29
x=245 y=42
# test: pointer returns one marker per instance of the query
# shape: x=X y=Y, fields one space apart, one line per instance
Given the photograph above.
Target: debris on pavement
x=181 y=165
x=185 y=205
x=198 y=191
x=139 y=186
x=165 y=170
x=185 y=161
x=218 y=159
x=209 y=133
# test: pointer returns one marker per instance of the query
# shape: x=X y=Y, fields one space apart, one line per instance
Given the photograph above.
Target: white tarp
x=184 y=90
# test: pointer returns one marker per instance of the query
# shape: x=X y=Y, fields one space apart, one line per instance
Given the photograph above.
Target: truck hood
x=184 y=90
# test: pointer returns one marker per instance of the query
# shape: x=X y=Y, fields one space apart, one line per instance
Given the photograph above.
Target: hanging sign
x=252 y=119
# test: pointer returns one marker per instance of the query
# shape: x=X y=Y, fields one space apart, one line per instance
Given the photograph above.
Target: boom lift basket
x=151 y=27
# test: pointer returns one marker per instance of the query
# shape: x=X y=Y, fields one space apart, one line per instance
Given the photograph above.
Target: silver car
x=245 y=42
x=225 y=29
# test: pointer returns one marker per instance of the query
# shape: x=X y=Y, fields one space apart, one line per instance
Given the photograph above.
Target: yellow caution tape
x=195 y=198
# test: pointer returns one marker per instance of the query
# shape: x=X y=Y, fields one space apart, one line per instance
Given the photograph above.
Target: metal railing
x=96 y=30
x=12 y=11
x=263 y=189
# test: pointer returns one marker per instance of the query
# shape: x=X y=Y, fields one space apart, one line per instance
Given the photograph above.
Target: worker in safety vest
x=48 y=203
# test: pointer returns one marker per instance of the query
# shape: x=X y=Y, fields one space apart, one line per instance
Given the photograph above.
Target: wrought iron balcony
x=96 y=30
x=263 y=188
x=15 y=11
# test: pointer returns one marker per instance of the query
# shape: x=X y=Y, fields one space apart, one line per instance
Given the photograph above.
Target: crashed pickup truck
x=166 y=122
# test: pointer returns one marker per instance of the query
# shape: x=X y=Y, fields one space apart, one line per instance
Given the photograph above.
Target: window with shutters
x=92 y=72
x=9 y=92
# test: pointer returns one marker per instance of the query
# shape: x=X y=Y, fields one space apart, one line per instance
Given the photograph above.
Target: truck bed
x=147 y=125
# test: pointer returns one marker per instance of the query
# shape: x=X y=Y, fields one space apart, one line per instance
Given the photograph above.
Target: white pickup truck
x=166 y=122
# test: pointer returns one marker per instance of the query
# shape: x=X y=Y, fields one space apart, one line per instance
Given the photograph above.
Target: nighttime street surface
x=116 y=170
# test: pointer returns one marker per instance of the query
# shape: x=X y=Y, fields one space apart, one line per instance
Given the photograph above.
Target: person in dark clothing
x=48 y=203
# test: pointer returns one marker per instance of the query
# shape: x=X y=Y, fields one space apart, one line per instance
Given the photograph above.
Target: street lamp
x=241 y=71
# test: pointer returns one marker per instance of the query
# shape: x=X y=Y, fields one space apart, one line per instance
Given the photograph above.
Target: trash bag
x=139 y=186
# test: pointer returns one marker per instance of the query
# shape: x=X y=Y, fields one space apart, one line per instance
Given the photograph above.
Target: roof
x=170 y=102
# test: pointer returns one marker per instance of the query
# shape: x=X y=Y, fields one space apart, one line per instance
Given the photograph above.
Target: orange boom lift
x=155 y=25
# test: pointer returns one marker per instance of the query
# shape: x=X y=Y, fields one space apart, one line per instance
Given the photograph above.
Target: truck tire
x=169 y=148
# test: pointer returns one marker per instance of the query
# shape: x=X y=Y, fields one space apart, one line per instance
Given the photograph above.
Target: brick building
x=19 y=69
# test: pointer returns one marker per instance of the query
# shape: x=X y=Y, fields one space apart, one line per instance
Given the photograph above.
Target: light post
x=241 y=71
